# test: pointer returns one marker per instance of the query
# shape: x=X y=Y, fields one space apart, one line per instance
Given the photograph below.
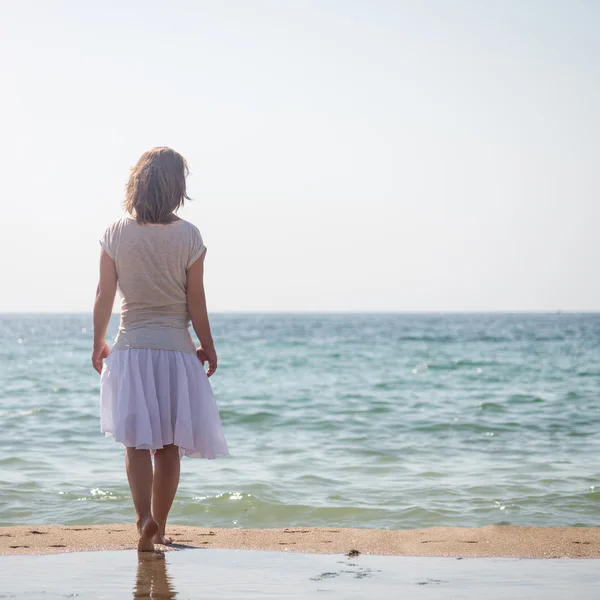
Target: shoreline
x=503 y=541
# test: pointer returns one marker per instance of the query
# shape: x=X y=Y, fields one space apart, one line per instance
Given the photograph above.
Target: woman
x=155 y=396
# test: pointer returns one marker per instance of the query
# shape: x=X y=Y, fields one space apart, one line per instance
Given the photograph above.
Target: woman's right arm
x=105 y=298
x=196 y=299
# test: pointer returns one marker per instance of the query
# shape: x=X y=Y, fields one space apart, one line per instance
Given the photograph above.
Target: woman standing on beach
x=155 y=396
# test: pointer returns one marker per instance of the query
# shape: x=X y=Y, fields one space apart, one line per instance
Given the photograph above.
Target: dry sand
x=507 y=541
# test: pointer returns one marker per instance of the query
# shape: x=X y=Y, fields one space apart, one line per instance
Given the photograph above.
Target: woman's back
x=151 y=262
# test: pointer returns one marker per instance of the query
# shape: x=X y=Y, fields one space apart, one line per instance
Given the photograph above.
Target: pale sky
x=346 y=155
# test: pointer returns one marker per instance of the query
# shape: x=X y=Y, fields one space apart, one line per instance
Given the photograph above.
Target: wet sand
x=491 y=541
x=226 y=574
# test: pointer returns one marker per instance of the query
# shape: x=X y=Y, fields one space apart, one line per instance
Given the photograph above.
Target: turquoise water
x=235 y=574
x=392 y=421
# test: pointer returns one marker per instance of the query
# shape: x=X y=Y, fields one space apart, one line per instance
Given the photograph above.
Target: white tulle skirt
x=153 y=398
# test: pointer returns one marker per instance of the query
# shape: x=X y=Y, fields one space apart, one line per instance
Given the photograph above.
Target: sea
x=391 y=421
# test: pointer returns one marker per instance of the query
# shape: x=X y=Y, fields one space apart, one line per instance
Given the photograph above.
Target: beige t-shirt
x=152 y=262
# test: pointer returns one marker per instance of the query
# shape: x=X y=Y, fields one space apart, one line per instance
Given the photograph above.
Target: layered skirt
x=152 y=398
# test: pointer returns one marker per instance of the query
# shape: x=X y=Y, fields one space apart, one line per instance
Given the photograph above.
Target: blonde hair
x=156 y=186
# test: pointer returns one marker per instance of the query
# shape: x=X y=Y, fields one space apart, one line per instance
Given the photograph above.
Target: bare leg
x=139 y=474
x=166 y=479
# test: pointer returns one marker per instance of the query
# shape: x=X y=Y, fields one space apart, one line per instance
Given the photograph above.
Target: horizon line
x=341 y=312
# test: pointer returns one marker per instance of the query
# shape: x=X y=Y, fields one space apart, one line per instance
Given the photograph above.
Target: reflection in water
x=152 y=579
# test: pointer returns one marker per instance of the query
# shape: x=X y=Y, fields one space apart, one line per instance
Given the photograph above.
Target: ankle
x=142 y=520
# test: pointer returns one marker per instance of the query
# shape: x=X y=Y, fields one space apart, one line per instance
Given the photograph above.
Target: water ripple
x=394 y=421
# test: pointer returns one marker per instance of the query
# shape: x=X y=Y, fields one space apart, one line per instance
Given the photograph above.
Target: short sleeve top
x=152 y=262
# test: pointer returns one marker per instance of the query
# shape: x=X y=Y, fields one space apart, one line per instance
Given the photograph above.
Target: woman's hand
x=100 y=352
x=209 y=355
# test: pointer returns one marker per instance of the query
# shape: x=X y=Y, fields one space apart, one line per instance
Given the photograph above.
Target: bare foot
x=147 y=530
x=162 y=539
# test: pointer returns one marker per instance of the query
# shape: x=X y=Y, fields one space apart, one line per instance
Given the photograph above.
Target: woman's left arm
x=105 y=298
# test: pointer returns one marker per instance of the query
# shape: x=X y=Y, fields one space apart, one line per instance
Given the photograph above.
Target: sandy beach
x=491 y=541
